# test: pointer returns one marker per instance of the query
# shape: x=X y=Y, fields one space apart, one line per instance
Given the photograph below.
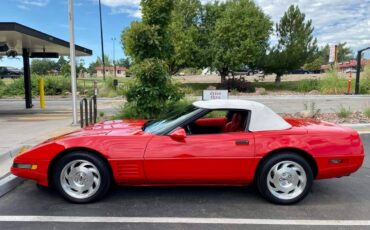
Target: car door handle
x=242 y=142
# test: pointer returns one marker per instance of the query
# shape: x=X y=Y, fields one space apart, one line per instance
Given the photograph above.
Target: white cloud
x=334 y=20
x=39 y=3
x=120 y=3
x=129 y=7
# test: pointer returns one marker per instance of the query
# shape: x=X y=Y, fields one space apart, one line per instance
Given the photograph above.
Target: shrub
x=313 y=112
x=2 y=88
x=365 y=80
x=343 y=112
x=152 y=90
x=308 y=85
x=54 y=85
x=333 y=83
x=128 y=111
x=367 y=112
x=107 y=88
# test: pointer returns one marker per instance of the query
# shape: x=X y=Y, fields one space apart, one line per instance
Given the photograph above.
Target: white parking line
x=181 y=220
x=363 y=132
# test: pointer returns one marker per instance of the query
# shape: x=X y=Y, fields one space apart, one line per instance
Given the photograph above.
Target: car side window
x=218 y=121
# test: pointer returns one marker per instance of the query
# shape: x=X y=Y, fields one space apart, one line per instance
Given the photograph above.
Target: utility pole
x=114 y=56
x=72 y=57
x=102 y=40
x=358 y=70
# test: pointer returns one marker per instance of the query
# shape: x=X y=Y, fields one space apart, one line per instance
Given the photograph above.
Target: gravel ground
x=354 y=118
x=268 y=78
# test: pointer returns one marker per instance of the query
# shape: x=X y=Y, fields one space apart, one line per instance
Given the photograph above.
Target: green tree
x=148 y=44
x=61 y=62
x=344 y=53
x=238 y=32
x=295 y=46
x=124 y=62
x=315 y=64
x=185 y=35
x=107 y=61
x=43 y=66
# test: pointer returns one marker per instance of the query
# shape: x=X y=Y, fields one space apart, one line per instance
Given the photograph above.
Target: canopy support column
x=27 y=78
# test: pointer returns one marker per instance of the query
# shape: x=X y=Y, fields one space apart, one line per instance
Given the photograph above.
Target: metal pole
x=72 y=58
x=114 y=56
x=102 y=40
x=27 y=78
x=358 y=70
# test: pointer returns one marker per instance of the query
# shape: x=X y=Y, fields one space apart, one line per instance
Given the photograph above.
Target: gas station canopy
x=20 y=40
x=17 y=37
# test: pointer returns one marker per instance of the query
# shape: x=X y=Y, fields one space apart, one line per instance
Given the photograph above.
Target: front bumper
x=38 y=173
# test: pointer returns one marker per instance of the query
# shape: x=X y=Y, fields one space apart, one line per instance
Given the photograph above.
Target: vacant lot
x=257 y=77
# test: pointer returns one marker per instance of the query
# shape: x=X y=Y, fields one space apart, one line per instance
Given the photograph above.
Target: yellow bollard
x=42 y=94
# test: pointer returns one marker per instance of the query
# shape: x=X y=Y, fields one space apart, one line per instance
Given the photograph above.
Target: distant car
x=243 y=70
x=350 y=70
x=10 y=72
x=300 y=71
x=216 y=142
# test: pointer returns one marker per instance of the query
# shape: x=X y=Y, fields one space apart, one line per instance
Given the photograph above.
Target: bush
x=365 y=80
x=108 y=90
x=128 y=111
x=152 y=90
x=367 y=112
x=2 y=88
x=54 y=85
x=308 y=85
x=333 y=83
x=343 y=112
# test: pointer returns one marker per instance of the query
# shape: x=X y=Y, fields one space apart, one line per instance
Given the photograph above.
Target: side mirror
x=178 y=134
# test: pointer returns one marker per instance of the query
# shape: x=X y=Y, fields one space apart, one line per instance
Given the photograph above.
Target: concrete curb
x=12 y=153
x=9 y=181
x=360 y=128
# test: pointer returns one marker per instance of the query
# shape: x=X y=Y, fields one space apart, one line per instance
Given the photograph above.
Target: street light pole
x=72 y=57
x=102 y=40
x=114 y=56
x=358 y=70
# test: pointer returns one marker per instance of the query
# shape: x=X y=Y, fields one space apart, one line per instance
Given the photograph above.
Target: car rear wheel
x=82 y=177
x=284 y=178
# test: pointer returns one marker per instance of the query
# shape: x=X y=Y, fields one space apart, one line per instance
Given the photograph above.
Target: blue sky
x=334 y=20
x=51 y=16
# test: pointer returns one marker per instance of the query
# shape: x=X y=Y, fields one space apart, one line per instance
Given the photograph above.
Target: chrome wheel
x=286 y=180
x=80 y=179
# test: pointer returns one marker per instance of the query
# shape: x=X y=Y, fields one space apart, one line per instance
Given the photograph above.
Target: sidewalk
x=29 y=130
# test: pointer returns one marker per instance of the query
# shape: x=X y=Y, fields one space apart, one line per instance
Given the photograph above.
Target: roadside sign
x=215 y=94
x=332 y=54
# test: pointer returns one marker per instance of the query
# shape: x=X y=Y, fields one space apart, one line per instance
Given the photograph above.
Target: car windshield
x=158 y=126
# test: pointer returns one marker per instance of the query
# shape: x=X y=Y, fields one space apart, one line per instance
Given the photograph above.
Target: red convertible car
x=217 y=142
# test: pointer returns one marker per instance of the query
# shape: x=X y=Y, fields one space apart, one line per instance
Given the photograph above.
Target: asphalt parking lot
x=329 y=202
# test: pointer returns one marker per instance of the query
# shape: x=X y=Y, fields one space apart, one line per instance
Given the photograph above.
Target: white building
x=109 y=71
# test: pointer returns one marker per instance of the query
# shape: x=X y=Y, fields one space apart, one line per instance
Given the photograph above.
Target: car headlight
x=25 y=166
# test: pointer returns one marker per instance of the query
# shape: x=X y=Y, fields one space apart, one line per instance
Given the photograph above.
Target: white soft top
x=262 y=117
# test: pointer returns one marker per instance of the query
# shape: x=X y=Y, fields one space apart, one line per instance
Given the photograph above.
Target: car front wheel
x=284 y=178
x=82 y=177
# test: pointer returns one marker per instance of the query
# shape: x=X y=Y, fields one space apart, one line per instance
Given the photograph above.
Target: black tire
x=101 y=166
x=265 y=167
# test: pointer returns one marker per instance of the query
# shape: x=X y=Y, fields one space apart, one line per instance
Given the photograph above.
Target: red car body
x=138 y=158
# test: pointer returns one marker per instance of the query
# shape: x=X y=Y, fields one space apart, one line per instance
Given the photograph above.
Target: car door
x=223 y=158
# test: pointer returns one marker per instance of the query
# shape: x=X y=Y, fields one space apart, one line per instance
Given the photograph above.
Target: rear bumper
x=347 y=165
